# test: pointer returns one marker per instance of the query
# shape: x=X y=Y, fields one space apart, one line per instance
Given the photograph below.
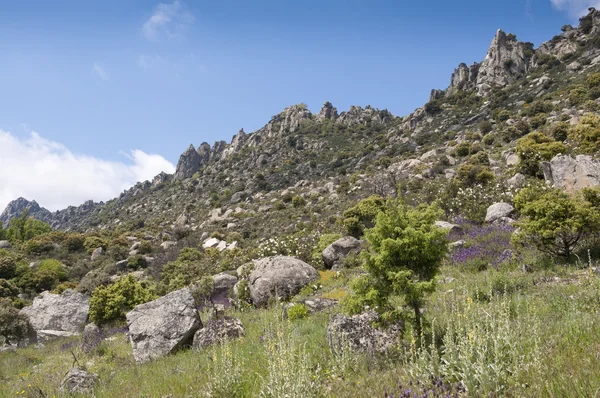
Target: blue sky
x=102 y=79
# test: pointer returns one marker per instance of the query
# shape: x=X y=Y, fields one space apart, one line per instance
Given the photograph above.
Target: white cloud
x=575 y=8
x=100 y=72
x=167 y=21
x=36 y=168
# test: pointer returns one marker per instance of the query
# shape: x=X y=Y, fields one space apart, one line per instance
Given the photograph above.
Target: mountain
x=300 y=147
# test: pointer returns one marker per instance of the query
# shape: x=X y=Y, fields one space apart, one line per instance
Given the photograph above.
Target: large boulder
x=358 y=333
x=280 y=276
x=78 y=381
x=218 y=330
x=164 y=325
x=4 y=244
x=334 y=254
x=572 y=174
x=66 y=312
x=499 y=211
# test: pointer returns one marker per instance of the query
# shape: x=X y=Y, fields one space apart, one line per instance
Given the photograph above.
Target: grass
x=553 y=320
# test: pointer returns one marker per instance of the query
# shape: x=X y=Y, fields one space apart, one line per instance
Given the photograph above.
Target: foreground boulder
x=164 y=325
x=79 y=381
x=4 y=244
x=66 y=312
x=498 y=212
x=572 y=174
x=223 y=283
x=335 y=253
x=358 y=334
x=218 y=330
x=279 y=276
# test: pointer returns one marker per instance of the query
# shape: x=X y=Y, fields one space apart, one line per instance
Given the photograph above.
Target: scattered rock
x=453 y=229
x=313 y=305
x=334 y=255
x=66 y=312
x=164 y=325
x=48 y=335
x=168 y=245
x=4 y=244
x=97 y=253
x=212 y=242
x=516 y=181
x=218 y=330
x=279 y=276
x=498 y=211
x=78 y=381
x=360 y=335
x=222 y=284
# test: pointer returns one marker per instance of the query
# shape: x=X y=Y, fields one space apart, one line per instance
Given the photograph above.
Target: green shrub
x=501 y=115
x=522 y=127
x=463 y=149
x=8 y=267
x=587 y=133
x=406 y=251
x=145 y=247
x=535 y=148
x=74 y=242
x=279 y=205
x=55 y=267
x=136 y=262
x=593 y=80
x=538 y=120
x=8 y=289
x=297 y=311
x=578 y=96
x=362 y=216
x=24 y=228
x=298 y=201
x=553 y=221
x=485 y=127
x=560 y=131
x=91 y=243
x=38 y=246
x=14 y=327
x=111 y=303
x=488 y=139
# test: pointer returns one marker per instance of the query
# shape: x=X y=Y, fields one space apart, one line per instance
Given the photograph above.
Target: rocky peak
x=18 y=206
x=189 y=162
x=328 y=111
x=288 y=120
x=357 y=115
x=506 y=59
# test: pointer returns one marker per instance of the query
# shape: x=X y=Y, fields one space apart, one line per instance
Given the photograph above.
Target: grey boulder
x=359 y=335
x=66 y=312
x=279 y=276
x=334 y=254
x=218 y=330
x=499 y=211
x=78 y=381
x=4 y=244
x=572 y=174
x=164 y=325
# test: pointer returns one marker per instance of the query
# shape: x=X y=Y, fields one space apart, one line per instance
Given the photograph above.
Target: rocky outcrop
x=164 y=325
x=506 y=60
x=572 y=174
x=4 y=244
x=358 y=333
x=189 y=163
x=219 y=330
x=78 y=381
x=464 y=78
x=66 y=312
x=327 y=112
x=279 y=276
x=453 y=230
x=498 y=211
x=334 y=254
x=367 y=116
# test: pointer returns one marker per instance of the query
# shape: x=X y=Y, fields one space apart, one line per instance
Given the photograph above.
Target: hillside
x=507 y=156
